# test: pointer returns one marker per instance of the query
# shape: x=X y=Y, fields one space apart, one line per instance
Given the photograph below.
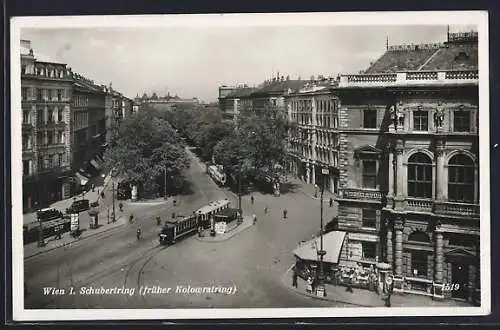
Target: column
x=308 y=173
x=438 y=256
x=476 y=184
x=399 y=226
x=391 y=174
x=313 y=169
x=441 y=184
x=390 y=256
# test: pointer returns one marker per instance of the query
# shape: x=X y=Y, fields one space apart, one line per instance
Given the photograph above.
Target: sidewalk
x=247 y=223
x=366 y=298
x=32 y=249
x=309 y=189
x=62 y=205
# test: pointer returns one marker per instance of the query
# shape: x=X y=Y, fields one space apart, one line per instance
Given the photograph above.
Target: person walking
x=139 y=233
x=120 y=206
x=331 y=202
x=254 y=217
x=131 y=218
x=265 y=209
x=251 y=199
x=309 y=285
x=285 y=212
x=294 y=278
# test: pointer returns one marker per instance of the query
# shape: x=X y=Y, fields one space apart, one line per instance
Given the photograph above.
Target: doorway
x=460 y=276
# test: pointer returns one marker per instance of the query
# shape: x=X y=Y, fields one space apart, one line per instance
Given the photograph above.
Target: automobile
x=79 y=206
x=48 y=214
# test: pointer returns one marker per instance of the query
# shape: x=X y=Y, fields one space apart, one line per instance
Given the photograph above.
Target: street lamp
x=320 y=291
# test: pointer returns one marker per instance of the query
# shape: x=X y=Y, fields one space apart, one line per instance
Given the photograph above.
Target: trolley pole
x=113 y=196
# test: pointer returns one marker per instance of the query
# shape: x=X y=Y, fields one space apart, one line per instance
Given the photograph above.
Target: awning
x=83 y=180
x=332 y=244
x=94 y=163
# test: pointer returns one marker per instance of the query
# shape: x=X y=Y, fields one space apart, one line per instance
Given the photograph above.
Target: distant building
x=166 y=102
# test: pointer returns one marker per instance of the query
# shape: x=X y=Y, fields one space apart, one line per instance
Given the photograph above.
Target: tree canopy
x=142 y=147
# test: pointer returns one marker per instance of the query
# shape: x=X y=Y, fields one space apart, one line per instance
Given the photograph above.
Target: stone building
x=409 y=167
x=46 y=92
x=313 y=140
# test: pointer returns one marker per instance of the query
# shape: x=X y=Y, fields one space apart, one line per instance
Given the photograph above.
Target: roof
x=240 y=92
x=280 y=87
x=213 y=205
x=454 y=57
x=332 y=244
x=401 y=60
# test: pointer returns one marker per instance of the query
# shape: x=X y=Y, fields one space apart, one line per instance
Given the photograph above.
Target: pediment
x=458 y=252
x=367 y=150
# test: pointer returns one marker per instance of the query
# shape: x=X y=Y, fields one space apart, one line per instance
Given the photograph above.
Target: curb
x=305 y=294
x=68 y=243
x=200 y=239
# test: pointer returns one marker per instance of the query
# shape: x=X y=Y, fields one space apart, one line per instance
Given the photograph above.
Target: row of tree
x=144 y=150
x=253 y=147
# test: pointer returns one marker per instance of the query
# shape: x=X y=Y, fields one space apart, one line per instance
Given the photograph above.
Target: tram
x=217 y=174
x=182 y=226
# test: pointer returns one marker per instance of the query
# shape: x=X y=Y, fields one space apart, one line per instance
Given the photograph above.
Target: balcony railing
x=410 y=78
x=454 y=208
x=360 y=194
x=418 y=204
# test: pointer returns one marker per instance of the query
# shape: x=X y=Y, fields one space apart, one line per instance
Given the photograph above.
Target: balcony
x=415 y=78
x=361 y=195
x=458 y=209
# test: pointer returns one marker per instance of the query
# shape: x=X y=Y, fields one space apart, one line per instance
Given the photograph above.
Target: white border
x=478 y=18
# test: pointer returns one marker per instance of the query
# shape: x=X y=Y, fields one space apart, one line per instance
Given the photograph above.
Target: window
x=51 y=94
x=26 y=117
x=23 y=69
x=59 y=94
x=370 y=119
x=26 y=167
x=39 y=138
x=419 y=263
x=419 y=176
x=461 y=179
x=60 y=115
x=420 y=120
x=39 y=95
x=50 y=138
x=40 y=163
x=24 y=92
x=369 y=218
x=25 y=142
x=369 y=250
x=39 y=116
x=461 y=121
x=60 y=160
x=370 y=174
x=50 y=116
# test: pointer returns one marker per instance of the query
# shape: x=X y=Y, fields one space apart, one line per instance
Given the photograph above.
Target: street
x=252 y=262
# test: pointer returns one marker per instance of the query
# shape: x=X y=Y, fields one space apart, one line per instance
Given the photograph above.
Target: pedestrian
x=93 y=186
x=309 y=285
x=331 y=202
x=251 y=199
x=294 y=278
x=349 y=282
x=131 y=218
x=265 y=209
x=254 y=217
x=120 y=206
x=199 y=231
x=158 y=221
x=285 y=212
x=102 y=194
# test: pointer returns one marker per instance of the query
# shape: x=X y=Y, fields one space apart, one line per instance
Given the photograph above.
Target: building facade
x=409 y=167
x=313 y=140
x=46 y=91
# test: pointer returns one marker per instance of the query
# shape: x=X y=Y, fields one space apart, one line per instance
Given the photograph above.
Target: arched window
x=461 y=179
x=420 y=176
x=419 y=236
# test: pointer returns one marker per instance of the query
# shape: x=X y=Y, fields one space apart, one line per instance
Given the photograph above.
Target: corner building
x=409 y=167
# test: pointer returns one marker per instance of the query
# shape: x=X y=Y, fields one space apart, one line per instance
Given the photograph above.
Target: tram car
x=182 y=226
x=177 y=228
x=216 y=172
x=208 y=211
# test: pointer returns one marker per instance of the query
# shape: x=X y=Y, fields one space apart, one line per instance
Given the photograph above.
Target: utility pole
x=41 y=242
x=322 y=252
x=165 y=184
x=113 y=195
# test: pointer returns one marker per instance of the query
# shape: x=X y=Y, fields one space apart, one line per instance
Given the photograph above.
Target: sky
x=195 y=61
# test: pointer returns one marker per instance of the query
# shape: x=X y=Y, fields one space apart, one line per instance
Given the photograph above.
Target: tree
x=142 y=147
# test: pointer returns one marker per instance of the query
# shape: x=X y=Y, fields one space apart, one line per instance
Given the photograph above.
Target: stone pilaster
x=438 y=255
x=390 y=256
x=441 y=185
x=398 y=176
x=398 y=227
